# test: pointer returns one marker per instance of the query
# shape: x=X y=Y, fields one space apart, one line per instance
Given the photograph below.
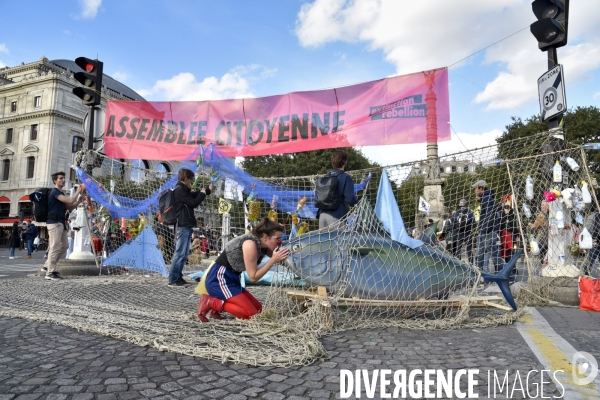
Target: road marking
x=555 y=354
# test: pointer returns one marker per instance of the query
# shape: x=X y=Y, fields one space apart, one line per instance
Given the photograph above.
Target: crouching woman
x=243 y=253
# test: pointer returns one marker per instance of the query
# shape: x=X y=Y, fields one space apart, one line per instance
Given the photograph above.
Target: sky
x=207 y=50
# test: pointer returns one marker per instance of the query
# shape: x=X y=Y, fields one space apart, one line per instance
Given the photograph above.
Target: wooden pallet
x=321 y=293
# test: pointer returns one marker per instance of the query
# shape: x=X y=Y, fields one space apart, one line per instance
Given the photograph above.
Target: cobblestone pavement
x=44 y=361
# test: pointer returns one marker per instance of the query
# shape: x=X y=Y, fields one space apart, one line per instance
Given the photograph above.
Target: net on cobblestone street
x=363 y=272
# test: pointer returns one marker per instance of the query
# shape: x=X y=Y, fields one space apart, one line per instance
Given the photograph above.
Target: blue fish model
x=373 y=266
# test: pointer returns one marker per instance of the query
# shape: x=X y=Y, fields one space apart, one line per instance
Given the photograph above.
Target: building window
x=37 y=101
x=5 y=169
x=454 y=168
x=459 y=168
x=34 y=132
x=448 y=169
x=137 y=172
x=4 y=210
x=9 y=135
x=77 y=144
x=30 y=167
x=471 y=168
x=13 y=106
x=162 y=171
x=441 y=170
x=72 y=175
x=25 y=208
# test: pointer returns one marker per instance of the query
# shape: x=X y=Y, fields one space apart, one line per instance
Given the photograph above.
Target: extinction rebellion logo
x=408 y=107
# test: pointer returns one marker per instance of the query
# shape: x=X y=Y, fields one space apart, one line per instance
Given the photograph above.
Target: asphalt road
x=20 y=266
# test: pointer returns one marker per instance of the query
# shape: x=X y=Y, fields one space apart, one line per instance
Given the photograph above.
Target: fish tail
x=503 y=279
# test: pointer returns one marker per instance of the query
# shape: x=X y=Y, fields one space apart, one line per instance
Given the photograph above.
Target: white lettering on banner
x=440 y=384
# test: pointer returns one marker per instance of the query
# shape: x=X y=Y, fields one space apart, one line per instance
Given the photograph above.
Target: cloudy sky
x=201 y=50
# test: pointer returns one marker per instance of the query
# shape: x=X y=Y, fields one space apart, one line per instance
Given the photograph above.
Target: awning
x=4 y=199
x=24 y=198
x=10 y=220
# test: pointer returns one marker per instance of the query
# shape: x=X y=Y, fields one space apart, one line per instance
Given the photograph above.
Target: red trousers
x=243 y=305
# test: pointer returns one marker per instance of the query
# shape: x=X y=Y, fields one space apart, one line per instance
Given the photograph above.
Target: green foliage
x=407 y=197
x=301 y=164
x=582 y=125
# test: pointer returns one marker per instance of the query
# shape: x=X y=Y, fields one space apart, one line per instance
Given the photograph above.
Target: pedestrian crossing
x=6 y=268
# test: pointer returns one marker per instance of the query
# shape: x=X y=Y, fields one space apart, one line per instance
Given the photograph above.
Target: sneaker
x=53 y=276
x=27 y=256
x=11 y=258
x=184 y=282
x=45 y=269
x=177 y=283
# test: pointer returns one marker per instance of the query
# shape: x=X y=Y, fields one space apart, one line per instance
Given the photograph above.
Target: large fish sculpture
x=373 y=266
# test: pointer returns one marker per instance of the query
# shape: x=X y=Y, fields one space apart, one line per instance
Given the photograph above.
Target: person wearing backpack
x=342 y=194
x=185 y=202
x=463 y=222
x=58 y=205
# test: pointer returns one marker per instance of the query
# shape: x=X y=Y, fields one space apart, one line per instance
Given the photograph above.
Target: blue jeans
x=12 y=252
x=487 y=246
x=594 y=252
x=182 y=250
x=464 y=240
x=29 y=247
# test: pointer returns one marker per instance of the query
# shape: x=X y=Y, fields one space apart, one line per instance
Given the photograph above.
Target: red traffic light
x=89 y=67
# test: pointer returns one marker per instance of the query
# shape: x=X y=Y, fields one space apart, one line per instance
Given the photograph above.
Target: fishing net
x=383 y=264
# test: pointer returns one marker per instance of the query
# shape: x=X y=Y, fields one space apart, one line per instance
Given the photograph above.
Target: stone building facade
x=41 y=128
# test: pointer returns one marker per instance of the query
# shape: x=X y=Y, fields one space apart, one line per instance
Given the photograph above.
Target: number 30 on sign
x=551 y=89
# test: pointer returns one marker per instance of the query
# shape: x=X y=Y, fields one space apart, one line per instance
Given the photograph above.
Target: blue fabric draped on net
x=213 y=160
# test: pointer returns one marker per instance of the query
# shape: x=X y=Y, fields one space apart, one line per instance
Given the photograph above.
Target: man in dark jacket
x=185 y=202
x=339 y=161
x=30 y=234
x=487 y=229
x=463 y=222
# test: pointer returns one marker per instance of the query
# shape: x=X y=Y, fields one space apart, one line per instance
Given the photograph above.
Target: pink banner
x=404 y=109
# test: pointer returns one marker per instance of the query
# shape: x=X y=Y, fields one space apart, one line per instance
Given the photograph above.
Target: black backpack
x=166 y=207
x=462 y=220
x=327 y=192
x=39 y=204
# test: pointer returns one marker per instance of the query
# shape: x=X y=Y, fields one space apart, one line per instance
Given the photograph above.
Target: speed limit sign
x=551 y=89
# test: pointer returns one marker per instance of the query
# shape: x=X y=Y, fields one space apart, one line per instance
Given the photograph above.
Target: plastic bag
x=589 y=293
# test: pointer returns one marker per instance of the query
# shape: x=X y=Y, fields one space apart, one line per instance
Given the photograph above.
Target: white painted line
x=555 y=354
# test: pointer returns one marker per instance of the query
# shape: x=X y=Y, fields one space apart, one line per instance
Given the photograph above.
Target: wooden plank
x=326 y=317
x=300 y=295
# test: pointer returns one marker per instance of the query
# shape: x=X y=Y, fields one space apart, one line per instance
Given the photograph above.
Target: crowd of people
x=489 y=231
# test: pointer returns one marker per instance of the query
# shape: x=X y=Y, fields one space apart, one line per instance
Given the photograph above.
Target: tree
x=582 y=125
x=301 y=164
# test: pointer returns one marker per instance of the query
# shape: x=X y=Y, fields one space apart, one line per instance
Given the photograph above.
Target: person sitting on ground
x=195 y=248
x=243 y=253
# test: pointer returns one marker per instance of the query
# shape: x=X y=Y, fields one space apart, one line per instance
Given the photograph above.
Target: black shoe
x=177 y=283
x=44 y=269
x=53 y=276
x=183 y=281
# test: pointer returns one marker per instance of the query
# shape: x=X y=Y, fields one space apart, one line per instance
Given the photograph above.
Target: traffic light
x=91 y=79
x=550 y=29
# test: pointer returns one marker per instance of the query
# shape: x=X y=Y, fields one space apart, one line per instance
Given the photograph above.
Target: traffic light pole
x=91 y=128
x=552 y=62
